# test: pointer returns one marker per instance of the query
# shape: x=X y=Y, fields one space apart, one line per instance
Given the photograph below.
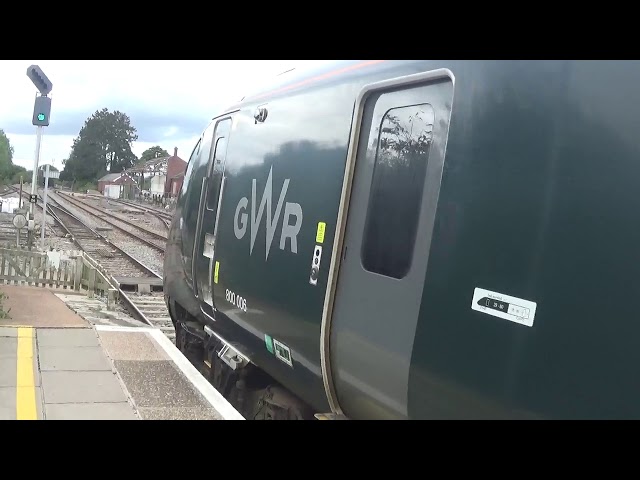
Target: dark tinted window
x=200 y=161
x=200 y=164
x=189 y=171
x=221 y=151
x=218 y=168
x=401 y=154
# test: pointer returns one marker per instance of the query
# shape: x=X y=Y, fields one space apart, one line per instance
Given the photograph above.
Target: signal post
x=41 y=112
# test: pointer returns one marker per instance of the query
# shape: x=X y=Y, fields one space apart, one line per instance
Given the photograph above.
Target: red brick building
x=159 y=177
x=175 y=184
x=175 y=174
x=114 y=179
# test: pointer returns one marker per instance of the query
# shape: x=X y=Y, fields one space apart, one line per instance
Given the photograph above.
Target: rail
x=148 y=242
x=103 y=266
x=164 y=217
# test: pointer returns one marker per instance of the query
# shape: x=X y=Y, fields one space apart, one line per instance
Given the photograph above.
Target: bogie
x=252 y=392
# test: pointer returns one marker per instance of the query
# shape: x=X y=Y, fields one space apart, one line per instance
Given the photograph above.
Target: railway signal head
x=41 y=111
x=39 y=79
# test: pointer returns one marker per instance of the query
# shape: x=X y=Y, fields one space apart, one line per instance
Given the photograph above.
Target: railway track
x=142 y=234
x=164 y=217
x=140 y=288
x=112 y=258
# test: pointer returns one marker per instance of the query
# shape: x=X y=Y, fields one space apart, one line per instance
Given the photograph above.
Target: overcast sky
x=169 y=102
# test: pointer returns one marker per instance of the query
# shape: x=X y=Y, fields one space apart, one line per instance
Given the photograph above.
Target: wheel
x=180 y=337
x=276 y=403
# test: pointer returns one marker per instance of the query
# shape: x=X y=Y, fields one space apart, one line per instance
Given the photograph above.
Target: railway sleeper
x=155 y=309
x=156 y=316
x=146 y=288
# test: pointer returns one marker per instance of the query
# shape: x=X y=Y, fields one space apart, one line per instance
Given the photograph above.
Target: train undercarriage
x=250 y=390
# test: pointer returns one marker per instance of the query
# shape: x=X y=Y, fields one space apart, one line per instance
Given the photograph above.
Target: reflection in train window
x=402 y=152
x=190 y=164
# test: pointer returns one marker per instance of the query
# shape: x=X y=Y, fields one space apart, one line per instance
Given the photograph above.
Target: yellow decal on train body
x=320 y=233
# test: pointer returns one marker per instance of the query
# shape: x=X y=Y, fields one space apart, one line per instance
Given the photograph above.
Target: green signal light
x=41 y=117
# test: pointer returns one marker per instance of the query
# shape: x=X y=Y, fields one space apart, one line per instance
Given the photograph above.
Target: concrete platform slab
x=37 y=307
x=8 y=347
x=50 y=337
x=178 y=413
x=9 y=362
x=81 y=387
x=8 y=331
x=40 y=402
x=8 y=396
x=91 y=411
x=8 y=371
x=7 y=403
x=73 y=359
x=131 y=346
x=158 y=384
x=162 y=383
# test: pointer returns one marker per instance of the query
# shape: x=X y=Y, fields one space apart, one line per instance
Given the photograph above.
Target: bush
x=84 y=186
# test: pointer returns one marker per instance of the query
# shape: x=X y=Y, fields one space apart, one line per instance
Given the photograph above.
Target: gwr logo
x=289 y=230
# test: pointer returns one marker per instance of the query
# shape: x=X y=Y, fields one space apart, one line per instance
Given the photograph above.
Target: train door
x=189 y=202
x=396 y=180
x=213 y=184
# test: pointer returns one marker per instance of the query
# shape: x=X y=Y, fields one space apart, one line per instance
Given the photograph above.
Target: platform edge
x=208 y=391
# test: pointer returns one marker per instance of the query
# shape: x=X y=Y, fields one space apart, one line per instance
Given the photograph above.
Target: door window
x=401 y=156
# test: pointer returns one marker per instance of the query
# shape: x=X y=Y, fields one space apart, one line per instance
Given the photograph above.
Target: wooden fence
x=72 y=270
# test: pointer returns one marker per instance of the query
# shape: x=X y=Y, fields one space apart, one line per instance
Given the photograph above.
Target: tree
x=18 y=172
x=153 y=152
x=400 y=150
x=42 y=168
x=9 y=173
x=6 y=156
x=406 y=139
x=103 y=145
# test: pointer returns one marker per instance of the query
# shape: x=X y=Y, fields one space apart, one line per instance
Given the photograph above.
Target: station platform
x=57 y=365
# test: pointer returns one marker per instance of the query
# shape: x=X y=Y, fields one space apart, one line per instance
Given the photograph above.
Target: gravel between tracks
x=126 y=212
x=146 y=255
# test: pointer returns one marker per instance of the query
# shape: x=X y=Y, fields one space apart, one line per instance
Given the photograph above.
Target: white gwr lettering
x=290 y=227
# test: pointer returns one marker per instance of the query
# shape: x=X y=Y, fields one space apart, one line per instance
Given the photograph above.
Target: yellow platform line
x=25 y=376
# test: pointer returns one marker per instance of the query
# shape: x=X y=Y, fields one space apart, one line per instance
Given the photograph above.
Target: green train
x=417 y=240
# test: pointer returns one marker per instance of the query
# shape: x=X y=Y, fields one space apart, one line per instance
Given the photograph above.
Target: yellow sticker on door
x=215 y=273
x=320 y=233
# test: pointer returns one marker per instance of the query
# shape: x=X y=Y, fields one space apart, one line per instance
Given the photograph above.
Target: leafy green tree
x=6 y=156
x=103 y=144
x=42 y=168
x=9 y=173
x=153 y=152
x=18 y=172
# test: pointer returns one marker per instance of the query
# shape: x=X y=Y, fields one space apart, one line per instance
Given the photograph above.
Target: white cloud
x=53 y=149
x=169 y=102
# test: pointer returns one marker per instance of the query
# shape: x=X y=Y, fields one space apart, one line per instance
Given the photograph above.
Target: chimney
x=175 y=151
